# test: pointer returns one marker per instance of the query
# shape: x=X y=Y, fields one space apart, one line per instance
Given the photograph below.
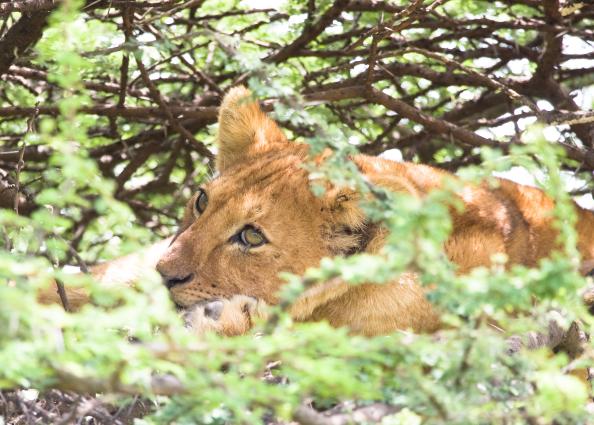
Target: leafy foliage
x=105 y=161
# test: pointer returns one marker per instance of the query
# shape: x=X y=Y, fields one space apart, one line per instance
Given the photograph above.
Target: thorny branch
x=455 y=79
x=425 y=79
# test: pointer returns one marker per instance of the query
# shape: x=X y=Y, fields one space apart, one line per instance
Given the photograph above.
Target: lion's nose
x=171 y=281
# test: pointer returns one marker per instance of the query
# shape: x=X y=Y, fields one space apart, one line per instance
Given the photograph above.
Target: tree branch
x=25 y=33
x=312 y=32
x=134 y=113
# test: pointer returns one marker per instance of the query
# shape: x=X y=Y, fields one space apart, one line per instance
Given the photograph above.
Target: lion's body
x=263 y=185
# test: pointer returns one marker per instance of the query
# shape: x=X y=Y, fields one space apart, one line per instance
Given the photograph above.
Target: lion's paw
x=229 y=317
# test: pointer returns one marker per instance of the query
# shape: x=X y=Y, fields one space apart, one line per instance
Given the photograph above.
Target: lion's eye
x=251 y=237
x=201 y=202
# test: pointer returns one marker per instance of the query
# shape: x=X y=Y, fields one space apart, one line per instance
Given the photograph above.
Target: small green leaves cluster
x=126 y=338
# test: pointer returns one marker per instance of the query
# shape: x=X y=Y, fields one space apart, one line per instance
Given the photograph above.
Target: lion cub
x=258 y=218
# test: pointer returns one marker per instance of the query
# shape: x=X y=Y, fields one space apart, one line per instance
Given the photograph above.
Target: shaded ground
x=56 y=407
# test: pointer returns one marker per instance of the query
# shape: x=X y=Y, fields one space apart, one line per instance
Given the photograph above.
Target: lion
x=258 y=217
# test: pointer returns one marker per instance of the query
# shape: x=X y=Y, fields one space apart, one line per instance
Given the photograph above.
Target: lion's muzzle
x=171 y=281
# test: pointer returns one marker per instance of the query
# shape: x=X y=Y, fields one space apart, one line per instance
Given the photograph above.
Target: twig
x=127 y=17
x=20 y=164
x=167 y=385
x=133 y=113
x=27 y=6
x=22 y=35
x=311 y=33
x=486 y=80
x=347 y=414
x=156 y=95
x=63 y=296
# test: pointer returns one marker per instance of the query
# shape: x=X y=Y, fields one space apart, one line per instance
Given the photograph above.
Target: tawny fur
x=262 y=183
x=123 y=271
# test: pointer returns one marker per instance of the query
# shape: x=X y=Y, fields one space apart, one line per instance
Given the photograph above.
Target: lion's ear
x=343 y=204
x=243 y=128
x=347 y=229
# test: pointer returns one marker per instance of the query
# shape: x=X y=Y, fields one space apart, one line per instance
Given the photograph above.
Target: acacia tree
x=107 y=113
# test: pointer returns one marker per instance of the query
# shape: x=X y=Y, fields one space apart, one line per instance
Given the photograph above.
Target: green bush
x=132 y=341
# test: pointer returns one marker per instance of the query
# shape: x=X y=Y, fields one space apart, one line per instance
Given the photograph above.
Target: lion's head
x=258 y=217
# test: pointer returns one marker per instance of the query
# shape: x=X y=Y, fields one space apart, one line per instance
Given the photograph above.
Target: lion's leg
x=235 y=316
x=379 y=309
x=367 y=309
x=474 y=247
x=318 y=295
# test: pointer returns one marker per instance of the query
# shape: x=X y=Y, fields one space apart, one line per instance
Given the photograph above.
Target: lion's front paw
x=229 y=317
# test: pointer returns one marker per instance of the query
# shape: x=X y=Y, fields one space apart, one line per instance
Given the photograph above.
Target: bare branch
x=312 y=32
x=22 y=35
